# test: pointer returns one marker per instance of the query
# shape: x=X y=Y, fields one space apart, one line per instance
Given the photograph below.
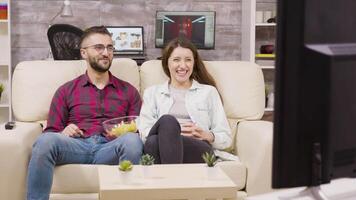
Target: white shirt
x=178 y=109
x=202 y=103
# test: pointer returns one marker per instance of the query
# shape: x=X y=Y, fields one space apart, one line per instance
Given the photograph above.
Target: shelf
x=265 y=24
x=5 y=60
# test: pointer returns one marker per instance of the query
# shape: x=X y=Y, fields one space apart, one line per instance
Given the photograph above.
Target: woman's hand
x=72 y=130
x=190 y=129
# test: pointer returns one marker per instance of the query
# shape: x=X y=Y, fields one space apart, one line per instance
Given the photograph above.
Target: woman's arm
x=148 y=113
x=219 y=124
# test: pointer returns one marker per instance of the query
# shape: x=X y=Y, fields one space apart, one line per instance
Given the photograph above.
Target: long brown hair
x=199 y=73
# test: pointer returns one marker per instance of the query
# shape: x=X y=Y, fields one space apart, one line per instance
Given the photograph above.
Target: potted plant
x=125 y=168
x=147 y=161
x=210 y=160
x=2 y=87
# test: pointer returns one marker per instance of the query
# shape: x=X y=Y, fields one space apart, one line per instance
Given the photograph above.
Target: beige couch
x=34 y=82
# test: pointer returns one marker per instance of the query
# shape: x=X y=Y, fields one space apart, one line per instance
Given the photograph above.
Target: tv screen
x=198 y=27
x=127 y=39
x=315 y=100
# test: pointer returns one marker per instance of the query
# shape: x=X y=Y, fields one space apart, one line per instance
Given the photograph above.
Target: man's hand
x=192 y=130
x=72 y=130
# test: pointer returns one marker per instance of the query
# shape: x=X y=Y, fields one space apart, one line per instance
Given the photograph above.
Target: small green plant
x=2 y=87
x=209 y=158
x=125 y=166
x=147 y=159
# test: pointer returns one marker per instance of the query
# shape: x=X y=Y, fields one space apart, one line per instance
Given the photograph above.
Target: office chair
x=64 y=40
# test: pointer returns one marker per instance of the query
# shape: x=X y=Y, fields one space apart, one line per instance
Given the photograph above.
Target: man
x=74 y=133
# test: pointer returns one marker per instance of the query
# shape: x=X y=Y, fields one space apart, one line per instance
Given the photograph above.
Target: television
x=127 y=39
x=198 y=27
x=315 y=93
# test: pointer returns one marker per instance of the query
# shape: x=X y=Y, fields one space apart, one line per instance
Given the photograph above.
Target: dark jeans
x=166 y=144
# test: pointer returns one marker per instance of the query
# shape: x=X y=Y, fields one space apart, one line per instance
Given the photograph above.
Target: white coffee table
x=178 y=181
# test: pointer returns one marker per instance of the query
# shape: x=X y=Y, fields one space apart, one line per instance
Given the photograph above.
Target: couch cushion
x=76 y=178
x=236 y=171
x=35 y=82
x=240 y=84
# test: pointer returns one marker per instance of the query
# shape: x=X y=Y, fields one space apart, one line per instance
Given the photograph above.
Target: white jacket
x=202 y=103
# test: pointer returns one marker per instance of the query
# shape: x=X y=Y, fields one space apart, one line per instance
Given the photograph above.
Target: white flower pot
x=212 y=172
x=126 y=177
x=147 y=171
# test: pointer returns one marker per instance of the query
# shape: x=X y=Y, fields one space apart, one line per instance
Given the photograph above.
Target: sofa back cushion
x=35 y=82
x=240 y=84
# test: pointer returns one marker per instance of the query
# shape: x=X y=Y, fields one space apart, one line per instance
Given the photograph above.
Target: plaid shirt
x=81 y=103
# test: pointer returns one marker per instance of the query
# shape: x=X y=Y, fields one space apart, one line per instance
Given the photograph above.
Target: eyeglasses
x=100 y=48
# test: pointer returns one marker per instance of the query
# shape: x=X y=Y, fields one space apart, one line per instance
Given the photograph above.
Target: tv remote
x=9 y=125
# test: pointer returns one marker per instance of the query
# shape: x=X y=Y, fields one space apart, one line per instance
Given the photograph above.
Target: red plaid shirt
x=81 y=103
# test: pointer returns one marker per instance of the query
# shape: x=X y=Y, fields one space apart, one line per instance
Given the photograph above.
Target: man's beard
x=97 y=67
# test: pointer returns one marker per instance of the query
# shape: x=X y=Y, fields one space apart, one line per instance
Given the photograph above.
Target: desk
x=138 y=58
x=174 y=181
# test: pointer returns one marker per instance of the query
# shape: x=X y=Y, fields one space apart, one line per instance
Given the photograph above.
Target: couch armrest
x=15 y=151
x=254 y=148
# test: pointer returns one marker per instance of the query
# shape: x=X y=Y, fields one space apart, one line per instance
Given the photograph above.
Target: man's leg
x=125 y=147
x=52 y=149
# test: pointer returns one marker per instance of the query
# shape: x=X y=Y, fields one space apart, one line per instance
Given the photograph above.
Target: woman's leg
x=151 y=147
x=193 y=150
x=170 y=144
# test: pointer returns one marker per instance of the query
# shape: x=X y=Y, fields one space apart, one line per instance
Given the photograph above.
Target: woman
x=184 y=117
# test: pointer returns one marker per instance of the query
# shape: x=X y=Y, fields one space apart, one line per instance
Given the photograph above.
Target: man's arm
x=58 y=112
x=135 y=102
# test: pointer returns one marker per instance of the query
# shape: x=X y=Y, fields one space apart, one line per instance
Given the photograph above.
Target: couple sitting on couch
x=180 y=120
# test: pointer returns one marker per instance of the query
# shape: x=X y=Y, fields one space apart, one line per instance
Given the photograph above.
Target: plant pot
x=147 y=171
x=212 y=172
x=126 y=177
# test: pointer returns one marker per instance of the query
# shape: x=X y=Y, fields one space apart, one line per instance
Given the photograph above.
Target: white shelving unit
x=5 y=65
x=248 y=43
x=249 y=27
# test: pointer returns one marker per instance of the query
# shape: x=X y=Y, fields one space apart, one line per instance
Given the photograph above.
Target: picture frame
x=127 y=39
x=196 y=26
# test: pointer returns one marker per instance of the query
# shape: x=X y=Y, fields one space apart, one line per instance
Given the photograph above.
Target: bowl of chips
x=120 y=125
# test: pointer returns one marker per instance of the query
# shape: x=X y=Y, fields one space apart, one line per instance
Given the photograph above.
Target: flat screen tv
x=315 y=99
x=127 y=39
x=198 y=27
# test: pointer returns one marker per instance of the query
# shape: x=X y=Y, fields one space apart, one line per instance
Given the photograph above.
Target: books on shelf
x=264 y=56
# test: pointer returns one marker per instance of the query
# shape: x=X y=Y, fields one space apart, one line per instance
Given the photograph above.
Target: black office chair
x=64 y=40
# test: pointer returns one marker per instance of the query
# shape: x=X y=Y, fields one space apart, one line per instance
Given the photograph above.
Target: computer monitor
x=128 y=40
x=315 y=92
x=198 y=27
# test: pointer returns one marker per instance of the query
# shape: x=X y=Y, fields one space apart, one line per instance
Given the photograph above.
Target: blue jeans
x=51 y=149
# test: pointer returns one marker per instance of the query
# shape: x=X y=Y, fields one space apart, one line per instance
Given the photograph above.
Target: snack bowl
x=121 y=125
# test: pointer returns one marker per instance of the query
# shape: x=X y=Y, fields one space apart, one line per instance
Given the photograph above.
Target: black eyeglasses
x=100 y=48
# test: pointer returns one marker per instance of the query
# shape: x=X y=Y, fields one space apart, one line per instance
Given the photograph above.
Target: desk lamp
x=65 y=11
